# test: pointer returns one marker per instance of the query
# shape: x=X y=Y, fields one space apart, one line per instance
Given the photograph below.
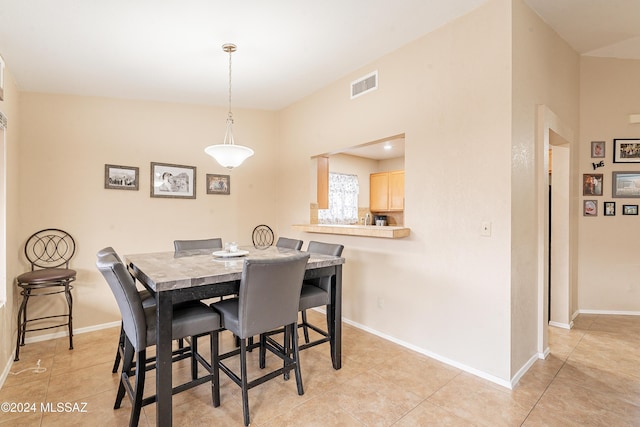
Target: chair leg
x=296 y=359
x=305 y=328
x=243 y=380
x=67 y=293
x=116 y=362
x=22 y=321
x=215 y=380
x=287 y=349
x=141 y=356
x=194 y=362
x=263 y=351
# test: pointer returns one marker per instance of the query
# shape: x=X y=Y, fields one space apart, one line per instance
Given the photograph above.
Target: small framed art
x=592 y=184
x=590 y=208
x=629 y=209
x=609 y=208
x=218 y=184
x=174 y=181
x=121 y=177
x=626 y=150
x=597 y=149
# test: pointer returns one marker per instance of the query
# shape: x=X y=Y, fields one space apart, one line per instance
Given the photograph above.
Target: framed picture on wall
x=121 y=177
x=592 y=184
x=218 y=184
x=174 y=181
x=609 y=208
x=590 y=208
x=597 y=149
x=629 y=209
x=626 y=150
x=625 y=184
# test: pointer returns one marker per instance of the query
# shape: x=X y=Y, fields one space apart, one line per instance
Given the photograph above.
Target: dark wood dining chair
x=49 y=252
x=189 y=320
x=268 y=298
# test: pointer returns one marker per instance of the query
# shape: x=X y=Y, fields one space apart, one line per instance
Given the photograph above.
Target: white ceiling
x=170 y=50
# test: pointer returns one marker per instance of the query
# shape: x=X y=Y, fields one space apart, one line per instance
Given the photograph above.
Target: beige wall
x=445 y=290
x=465 y=97
x=545 y=72
x=67 y=140
x=609 y=272
x=10 y=108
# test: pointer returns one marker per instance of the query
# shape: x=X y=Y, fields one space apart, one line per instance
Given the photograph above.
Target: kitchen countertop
x=387 y=231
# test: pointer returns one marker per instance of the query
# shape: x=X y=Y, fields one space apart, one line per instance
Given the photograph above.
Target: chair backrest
x=325 y=248
x=127 y=297
x=285 y=242
x=269 y=293
x=324 y=282
x=186 y=245
x=108 y=251
x=50 y=248
x=262 y=236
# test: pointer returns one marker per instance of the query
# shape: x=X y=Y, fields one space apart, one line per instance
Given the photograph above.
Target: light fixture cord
x=230 y=116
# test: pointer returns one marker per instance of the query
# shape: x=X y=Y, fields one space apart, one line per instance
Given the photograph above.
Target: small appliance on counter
x=380 y=220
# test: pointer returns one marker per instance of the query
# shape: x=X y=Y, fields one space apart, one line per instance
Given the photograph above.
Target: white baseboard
x=610 y=312
x=473 y=371
x=38 y=338
x=64 y=333
x=561 y=325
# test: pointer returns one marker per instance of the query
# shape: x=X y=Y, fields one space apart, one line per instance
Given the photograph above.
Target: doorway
x=553 y=141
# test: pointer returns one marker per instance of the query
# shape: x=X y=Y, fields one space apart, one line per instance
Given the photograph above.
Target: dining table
x=192 y=275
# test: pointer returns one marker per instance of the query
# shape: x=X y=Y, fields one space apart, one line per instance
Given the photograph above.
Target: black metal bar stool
x=49 y=252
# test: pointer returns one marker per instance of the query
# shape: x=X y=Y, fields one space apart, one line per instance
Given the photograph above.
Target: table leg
x=336 y=315
x=164 y=319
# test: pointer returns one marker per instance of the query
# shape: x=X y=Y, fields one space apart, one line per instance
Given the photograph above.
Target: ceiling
x=171 y=50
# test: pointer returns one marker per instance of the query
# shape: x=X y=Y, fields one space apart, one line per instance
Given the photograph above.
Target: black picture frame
x=609 y=208
x=626 y=150
x=629 y=209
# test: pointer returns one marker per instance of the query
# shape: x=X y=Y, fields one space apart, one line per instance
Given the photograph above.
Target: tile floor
x=592 y=377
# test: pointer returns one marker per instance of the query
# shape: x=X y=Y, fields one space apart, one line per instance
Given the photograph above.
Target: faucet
x=367 y=219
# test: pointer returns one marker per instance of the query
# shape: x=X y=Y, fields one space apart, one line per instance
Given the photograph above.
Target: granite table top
x=163 y=271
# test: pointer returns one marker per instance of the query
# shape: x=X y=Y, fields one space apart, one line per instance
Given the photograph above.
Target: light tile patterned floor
x=592 y=377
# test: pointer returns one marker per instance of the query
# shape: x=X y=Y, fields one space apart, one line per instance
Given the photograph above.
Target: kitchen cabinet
x=386 y=191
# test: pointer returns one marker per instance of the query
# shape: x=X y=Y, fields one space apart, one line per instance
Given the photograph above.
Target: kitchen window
x=343 y=200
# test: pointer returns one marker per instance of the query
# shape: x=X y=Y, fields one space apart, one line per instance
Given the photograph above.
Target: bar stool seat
x=48 y=251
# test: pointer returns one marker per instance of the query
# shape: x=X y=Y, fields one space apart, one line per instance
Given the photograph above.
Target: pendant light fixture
x=228 y=154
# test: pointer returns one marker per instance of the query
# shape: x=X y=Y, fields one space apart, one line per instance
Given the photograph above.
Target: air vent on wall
x=364 y=85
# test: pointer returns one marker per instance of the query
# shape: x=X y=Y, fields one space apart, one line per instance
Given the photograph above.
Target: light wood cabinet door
x=379 y=191
x=396 y=191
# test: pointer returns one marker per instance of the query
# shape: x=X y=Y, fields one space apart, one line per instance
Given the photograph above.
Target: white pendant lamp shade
x=228 y=154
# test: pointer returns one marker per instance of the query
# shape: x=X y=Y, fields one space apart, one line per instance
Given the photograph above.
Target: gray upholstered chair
x=145 y=297
x=268 y=298
x=316 y=293
x=186 y=245
x=189 y=320
x=285 y=242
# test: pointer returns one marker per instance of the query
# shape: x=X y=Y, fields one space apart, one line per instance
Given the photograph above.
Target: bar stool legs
x=23 y=320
